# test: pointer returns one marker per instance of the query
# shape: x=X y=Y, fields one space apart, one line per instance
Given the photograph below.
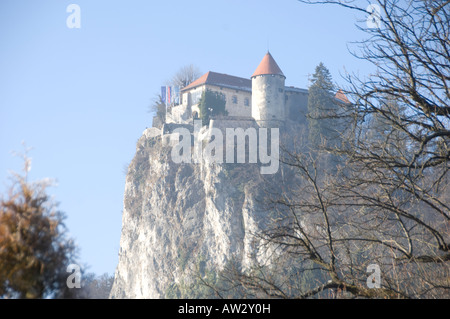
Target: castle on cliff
x=264 y=99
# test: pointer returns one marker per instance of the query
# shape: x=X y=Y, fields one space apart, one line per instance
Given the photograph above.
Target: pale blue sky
x=79 y=97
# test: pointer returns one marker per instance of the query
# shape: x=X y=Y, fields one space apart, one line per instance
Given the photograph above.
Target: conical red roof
x=341 y=96
x=268 y=66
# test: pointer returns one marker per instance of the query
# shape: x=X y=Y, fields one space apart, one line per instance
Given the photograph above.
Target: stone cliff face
x=179 y=216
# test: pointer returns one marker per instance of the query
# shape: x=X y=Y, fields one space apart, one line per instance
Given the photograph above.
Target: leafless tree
x=185 y=76
x=386 y=203
x=94 y=286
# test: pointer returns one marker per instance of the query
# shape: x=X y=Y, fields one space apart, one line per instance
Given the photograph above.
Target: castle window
x=234 y=99
x=246 y=101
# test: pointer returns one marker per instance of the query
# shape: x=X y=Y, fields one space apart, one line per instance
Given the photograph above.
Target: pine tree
x=321 y=108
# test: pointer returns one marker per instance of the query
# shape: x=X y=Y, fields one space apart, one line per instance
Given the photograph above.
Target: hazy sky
x=80 y=97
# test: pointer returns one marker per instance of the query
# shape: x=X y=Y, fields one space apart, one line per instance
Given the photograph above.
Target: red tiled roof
x=268 y=66
x=341 y=96
x=220 y=79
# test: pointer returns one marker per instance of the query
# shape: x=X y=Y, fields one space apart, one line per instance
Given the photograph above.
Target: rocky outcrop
x=179 y=216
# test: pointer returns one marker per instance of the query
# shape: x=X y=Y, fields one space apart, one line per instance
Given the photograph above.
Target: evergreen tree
x=211 y=104
x=34 y=247
x=321 y=108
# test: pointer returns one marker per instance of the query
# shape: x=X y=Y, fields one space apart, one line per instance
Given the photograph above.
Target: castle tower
x=268 y=99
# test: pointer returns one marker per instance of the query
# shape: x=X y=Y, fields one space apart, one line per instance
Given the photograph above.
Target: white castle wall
x=235 y=100
x=239 y=108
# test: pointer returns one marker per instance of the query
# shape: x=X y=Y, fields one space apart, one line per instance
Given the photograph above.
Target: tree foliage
x=185 y=76
x=94 y=287
x=34 y=248
x=211 y=104
x=388 y=202
x=182 y=78
x=159 y=108
x=321 y=108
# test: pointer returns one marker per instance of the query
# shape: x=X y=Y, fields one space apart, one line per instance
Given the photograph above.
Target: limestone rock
x=177 y=214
